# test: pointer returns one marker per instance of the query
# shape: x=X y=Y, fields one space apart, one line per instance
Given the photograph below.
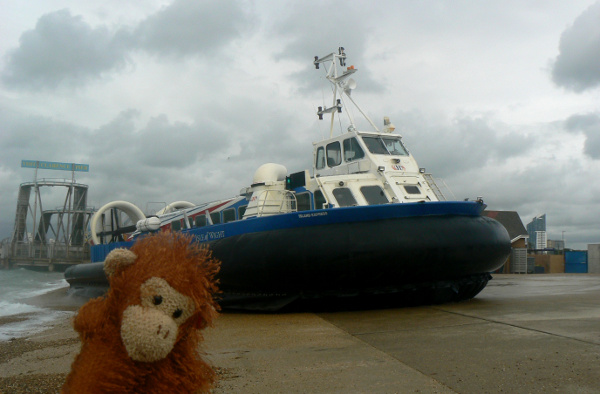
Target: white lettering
x=309 y=215
x=210 y=236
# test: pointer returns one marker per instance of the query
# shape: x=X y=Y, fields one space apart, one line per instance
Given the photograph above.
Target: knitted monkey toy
x=143 y=336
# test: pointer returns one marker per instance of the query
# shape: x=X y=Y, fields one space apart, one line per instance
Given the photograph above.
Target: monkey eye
x=157 y=300
x=177 y=313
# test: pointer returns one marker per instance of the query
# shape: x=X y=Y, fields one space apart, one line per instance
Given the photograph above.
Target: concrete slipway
x=522 y=334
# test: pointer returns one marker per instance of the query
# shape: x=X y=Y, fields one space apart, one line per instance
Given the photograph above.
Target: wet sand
x=523 y=333
x=39 y=363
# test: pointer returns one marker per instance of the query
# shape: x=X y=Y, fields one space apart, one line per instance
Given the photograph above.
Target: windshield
x=385 y=146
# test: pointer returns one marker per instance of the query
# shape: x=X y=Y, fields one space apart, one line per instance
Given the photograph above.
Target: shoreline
x=37 y=313
x=57 y=300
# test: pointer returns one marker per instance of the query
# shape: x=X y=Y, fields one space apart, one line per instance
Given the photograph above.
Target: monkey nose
x=166 y=334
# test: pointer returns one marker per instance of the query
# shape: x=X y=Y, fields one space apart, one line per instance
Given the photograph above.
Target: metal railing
x=50 y=251
x=273 y=202
x=434 y=187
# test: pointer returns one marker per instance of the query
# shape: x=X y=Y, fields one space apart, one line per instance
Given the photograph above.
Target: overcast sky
x=183 y=100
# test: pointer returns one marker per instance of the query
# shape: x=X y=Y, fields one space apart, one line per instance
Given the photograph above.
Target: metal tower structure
x=50 y=238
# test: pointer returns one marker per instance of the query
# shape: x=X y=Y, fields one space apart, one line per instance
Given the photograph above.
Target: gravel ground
x=42 y=383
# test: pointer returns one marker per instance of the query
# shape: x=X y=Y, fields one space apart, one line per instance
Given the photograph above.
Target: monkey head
x=162 y=291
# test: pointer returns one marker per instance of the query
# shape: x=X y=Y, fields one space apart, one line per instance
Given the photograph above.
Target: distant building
x=594 y=258
x=557 y=244
x=541 y=240
x=537 y=233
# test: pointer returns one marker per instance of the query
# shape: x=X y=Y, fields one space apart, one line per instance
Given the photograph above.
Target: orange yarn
x=158 y=302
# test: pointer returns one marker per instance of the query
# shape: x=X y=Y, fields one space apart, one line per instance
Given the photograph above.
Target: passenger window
x=374 y=195
x=344 y=197
x=352 y=151
x=229 y=215
x=176 y=225
x=334 y=154
x=215 y=217
x=303 y=200
x=320 y=162
x=200 y=220
x=242 y=211
x=319 y=199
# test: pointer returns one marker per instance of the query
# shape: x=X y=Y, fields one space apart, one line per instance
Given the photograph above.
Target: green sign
x=52 y=165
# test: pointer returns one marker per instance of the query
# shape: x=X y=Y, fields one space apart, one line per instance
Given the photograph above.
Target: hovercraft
x=368 y=222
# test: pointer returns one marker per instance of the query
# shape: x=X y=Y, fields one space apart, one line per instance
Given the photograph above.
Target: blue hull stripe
x=316 y=218
x=335 y=216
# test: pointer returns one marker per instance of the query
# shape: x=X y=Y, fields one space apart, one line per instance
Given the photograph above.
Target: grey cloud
x=310 y=31
x=589 y=125
x=62 y=49
x=177 y=145
x=160 y=148
x=576 y=66
x=262 y=133
x=190 y=27
x=466 y=143
x=38 y=138
x=160 y=161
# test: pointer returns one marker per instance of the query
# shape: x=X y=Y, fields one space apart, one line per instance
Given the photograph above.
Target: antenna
x=343 y=85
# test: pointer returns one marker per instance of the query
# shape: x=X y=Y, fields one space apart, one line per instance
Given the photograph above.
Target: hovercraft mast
x=342 y=84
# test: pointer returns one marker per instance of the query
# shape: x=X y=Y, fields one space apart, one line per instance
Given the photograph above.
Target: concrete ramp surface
x=523 y=333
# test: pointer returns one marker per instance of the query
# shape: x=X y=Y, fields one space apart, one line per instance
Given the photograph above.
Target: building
x=558 y=245
x=594 y=258
x=537 y=233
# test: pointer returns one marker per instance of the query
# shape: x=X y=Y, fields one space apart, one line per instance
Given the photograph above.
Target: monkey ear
x=118 y=259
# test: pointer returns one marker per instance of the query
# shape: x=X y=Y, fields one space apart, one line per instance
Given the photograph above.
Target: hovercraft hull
x=409 y=249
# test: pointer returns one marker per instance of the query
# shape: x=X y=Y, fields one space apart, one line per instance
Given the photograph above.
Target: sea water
x=17 y=285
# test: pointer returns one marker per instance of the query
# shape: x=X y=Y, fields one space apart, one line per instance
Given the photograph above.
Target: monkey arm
x=91 y=317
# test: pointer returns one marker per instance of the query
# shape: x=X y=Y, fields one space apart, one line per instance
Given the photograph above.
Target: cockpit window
x=334 y=154
x=320 y=161
x=385 y=146
x=352 y=150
